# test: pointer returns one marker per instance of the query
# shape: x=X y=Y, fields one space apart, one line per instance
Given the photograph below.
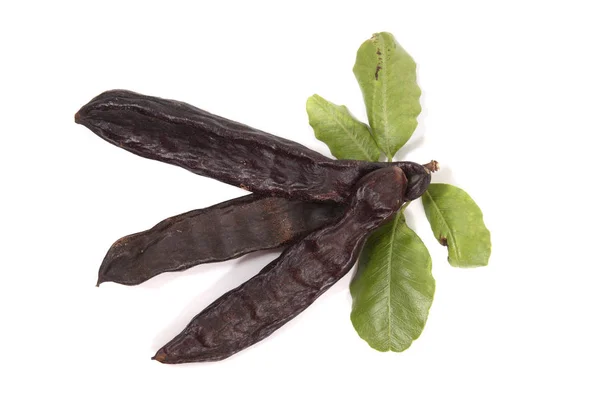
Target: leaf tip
x=443 y=241
x=311 y=103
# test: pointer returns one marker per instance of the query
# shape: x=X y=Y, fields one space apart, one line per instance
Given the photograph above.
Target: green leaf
x=387 y=76
x=346 y=137
x=393 y=288
x=457 y=222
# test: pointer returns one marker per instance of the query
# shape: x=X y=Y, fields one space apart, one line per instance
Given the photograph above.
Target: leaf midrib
x=385 y=101
x=450 y=232
x=384 y=105
x=389 y=285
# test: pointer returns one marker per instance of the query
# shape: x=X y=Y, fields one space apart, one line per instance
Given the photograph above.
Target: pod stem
x=432 y=166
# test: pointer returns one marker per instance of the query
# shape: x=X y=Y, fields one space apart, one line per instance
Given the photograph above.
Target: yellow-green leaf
x=346 y=137
x=393 y=288
x=387 y=76
x=457 y=222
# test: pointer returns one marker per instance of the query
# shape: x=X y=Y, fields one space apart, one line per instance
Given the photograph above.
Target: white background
x=510 y=110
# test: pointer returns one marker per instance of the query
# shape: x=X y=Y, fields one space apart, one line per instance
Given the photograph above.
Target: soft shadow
x=166 y=277
x=418 y=137
x=249 y=258
x=444 y=175
x=243 y=269
x=410 y=217
x=412 y=144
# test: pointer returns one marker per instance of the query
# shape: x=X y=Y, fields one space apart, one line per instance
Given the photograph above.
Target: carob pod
x=292 y=282
x=205 y=144
x=221 y=232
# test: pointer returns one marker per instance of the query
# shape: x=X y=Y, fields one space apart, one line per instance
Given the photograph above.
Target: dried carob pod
x=180 y=134
x=292 y=282
x=221 y=232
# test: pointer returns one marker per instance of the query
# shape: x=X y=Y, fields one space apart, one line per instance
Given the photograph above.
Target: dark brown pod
x=292 y=282
x=221 y=232
x=205 y=144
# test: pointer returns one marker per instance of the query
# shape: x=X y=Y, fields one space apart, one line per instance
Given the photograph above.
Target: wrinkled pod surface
x=209 y=145
x=293 y=281
x=221 y=232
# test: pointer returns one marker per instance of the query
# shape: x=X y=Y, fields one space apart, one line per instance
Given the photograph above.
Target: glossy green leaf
x=387 y=76
x=393 y=288
x=457 y=222
x=346 y=137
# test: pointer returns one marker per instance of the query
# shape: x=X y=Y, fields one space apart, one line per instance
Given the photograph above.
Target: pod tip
x=160 y=356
